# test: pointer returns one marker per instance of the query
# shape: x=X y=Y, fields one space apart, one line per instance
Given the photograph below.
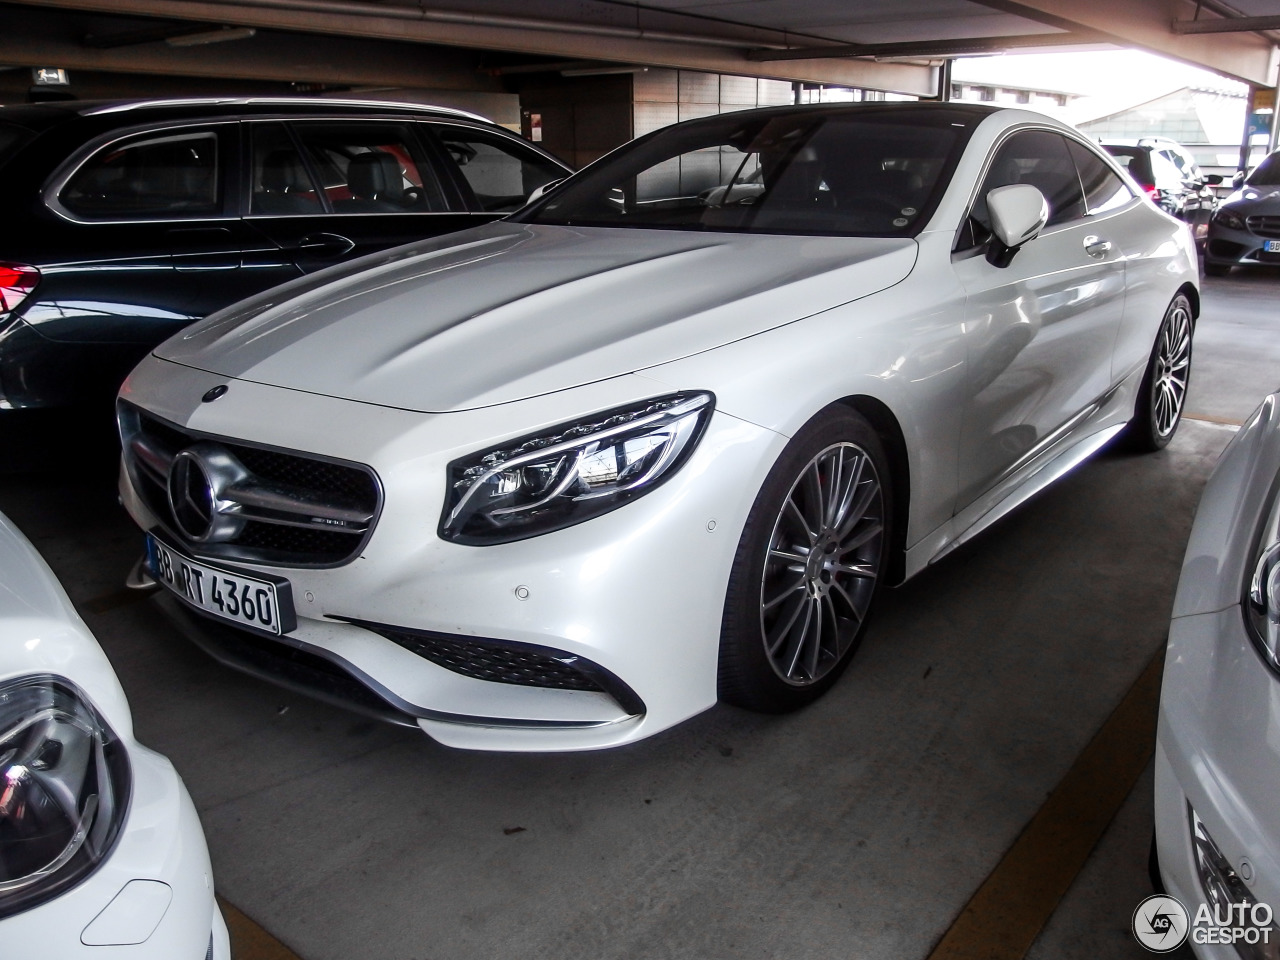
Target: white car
x=562 y=481
x=101 y=852
x=1217 y=793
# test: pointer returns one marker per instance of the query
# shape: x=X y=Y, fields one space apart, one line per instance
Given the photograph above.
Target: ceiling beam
x=1227 y=25
x=562 y=40
x=1147 y=25
x=925 y=49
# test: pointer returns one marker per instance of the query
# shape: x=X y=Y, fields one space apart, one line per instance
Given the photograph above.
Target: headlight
x=1262 y=597
x=1229 y=219
x=573 y=472
x=64 y=790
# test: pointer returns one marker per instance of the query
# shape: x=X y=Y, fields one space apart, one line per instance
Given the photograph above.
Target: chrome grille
x=1264 y=226
x=278 y=508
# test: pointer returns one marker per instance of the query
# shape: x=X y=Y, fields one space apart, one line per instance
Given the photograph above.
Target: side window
x=500 y=171
x=369 y=167
x=1041 y=159
x=281 y=185
x=1103 y=190
x=174 y=174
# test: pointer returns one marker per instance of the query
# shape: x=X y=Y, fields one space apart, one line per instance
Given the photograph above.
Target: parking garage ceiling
x=880 y=44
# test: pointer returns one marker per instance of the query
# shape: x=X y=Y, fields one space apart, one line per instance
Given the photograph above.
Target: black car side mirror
x=1213 y=179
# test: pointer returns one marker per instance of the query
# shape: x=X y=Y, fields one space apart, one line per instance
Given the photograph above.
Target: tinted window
x=281 y=185
x=1042 y=160
x=1267 y=173
x=157 y=175
x=500 y=171
x=369 y=167
x=1103 y=190
x=868 y=173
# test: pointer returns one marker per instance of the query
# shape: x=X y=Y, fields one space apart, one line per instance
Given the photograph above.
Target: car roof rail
x=127 y=105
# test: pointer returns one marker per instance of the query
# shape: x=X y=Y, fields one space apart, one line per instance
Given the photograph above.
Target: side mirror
x=1213 y=179
x=1238 y=179
x=1018 y=213
x=539 y=191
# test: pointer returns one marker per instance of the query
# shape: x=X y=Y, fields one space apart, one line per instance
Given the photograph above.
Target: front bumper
x=1218 y=752
x=637 y=592
x=1227 y=247
x=121 y=910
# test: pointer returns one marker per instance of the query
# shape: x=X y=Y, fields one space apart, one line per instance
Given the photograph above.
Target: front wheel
x=1163 y=393
x=808 y=566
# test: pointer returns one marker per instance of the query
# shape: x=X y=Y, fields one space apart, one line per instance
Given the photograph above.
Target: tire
x=791 y=624
x=1216 y=269
x=1163 y=393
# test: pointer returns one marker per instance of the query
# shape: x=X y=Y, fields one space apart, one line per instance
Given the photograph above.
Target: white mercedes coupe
x=659 y=438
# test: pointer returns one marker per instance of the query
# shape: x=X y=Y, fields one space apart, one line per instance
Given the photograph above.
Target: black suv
x=126 y=221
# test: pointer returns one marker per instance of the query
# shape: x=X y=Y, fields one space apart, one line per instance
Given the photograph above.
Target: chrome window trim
x=58 y=180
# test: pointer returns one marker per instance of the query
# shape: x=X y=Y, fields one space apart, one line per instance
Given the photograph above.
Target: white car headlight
x=572 y=472
x=1262 y=592
x=64 y=790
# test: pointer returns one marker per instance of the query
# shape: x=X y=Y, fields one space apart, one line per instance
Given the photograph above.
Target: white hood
x=508 y=311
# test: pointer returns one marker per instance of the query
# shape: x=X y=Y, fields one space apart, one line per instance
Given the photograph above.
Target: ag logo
x=1161 y=923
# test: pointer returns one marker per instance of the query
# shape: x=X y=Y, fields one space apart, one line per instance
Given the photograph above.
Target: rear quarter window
x=157 y=175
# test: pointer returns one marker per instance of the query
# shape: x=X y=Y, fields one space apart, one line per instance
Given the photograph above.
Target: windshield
x=869 y=172
x=1267 y=174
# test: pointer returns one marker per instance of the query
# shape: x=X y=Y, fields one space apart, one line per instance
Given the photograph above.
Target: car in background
x=1170 y=176
x=124 y=222
x=1246 y=228
x=1217 y=764
x=101 y=851
x=562 y=481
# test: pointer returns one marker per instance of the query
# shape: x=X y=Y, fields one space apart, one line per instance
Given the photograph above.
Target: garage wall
x=667 y=96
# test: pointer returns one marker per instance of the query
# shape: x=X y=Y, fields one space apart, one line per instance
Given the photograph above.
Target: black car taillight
x=17 y=280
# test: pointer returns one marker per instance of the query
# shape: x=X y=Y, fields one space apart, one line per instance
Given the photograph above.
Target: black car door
x=324 y=191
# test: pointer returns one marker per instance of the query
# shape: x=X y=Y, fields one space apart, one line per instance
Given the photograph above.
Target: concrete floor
x=857 y=828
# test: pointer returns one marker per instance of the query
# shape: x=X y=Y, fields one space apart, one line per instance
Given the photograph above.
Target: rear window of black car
x=163 y=174
x=1136 y=160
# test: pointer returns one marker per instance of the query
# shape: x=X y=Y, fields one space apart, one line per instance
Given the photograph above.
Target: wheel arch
x=886 y=426
x=1193 y=296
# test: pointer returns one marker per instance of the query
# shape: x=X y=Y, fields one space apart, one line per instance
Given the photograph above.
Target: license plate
x=265 y=605
x=1273 y=246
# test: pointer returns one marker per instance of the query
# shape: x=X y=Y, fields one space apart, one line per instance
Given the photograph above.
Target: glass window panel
x=155 y=176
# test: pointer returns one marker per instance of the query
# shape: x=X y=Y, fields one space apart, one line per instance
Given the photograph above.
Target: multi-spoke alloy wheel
x=808 y=565
x=824 y=558
x=1164 y=387
x=1172 y=369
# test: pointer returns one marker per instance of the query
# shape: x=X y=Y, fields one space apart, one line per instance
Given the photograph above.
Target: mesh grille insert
x=495 y=663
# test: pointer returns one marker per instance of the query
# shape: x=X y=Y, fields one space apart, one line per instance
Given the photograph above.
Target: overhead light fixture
x=211 y=36
x=601 y=71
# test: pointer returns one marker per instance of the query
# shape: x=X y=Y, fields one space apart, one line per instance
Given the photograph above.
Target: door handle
x=1097 y=247
x=325 y=245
